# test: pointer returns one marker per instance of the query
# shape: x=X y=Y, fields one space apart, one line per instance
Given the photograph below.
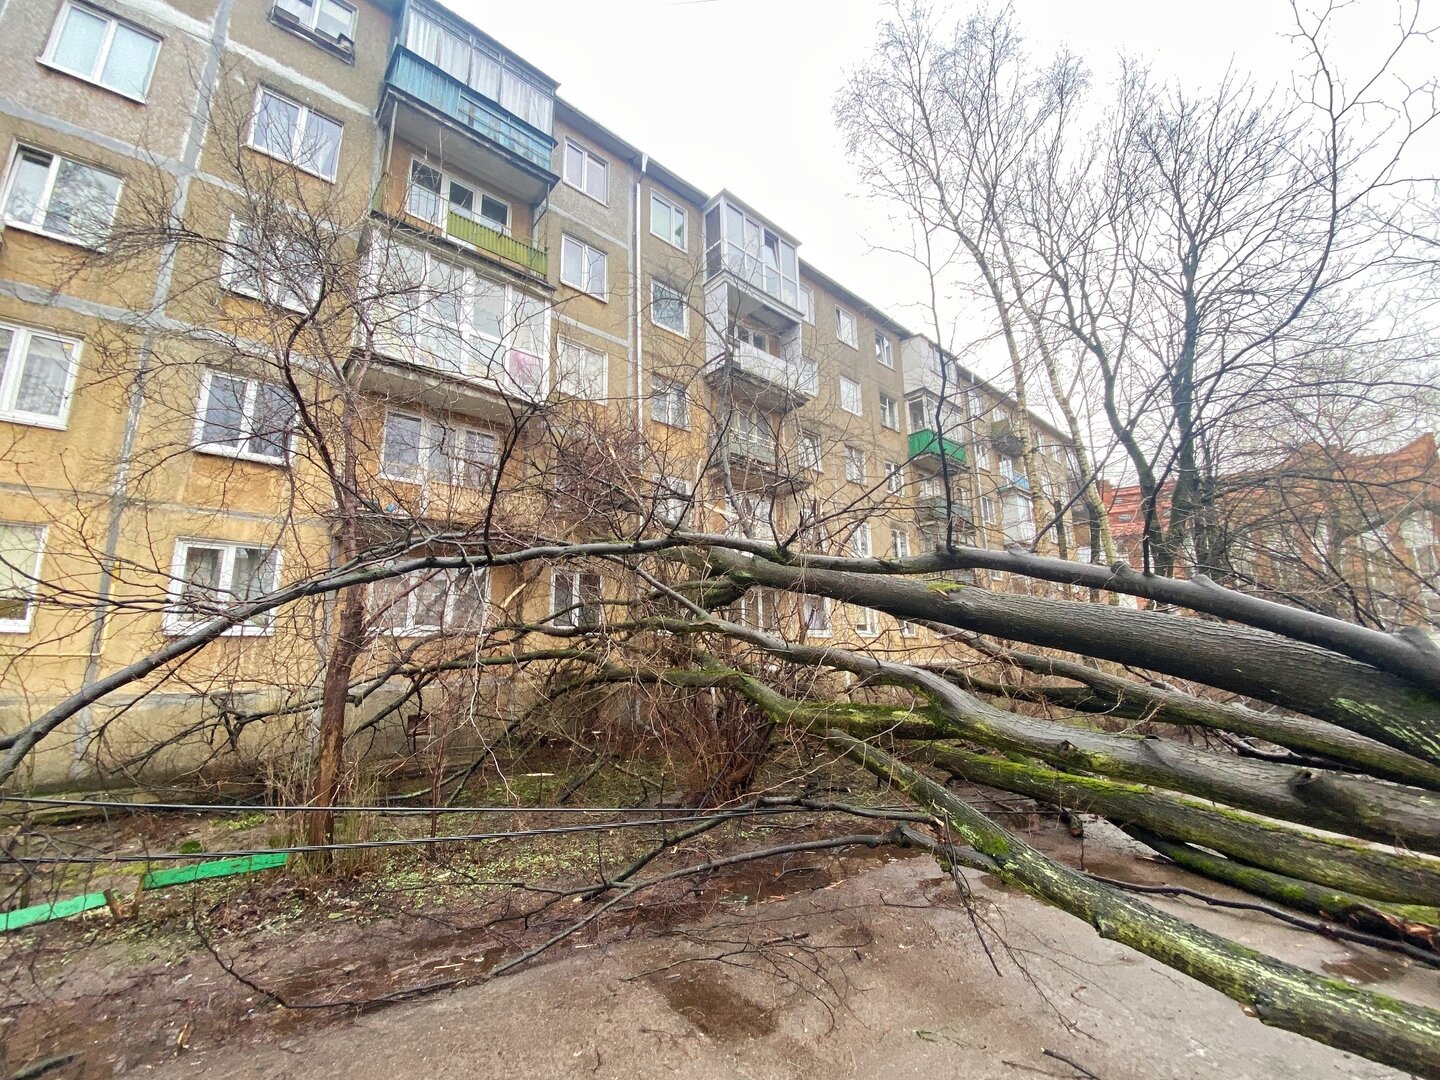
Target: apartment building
x=287 y=284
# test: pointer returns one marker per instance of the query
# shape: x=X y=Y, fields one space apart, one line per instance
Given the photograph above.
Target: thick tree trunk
x=1342 y=864
x=1377 y=1027
x=1255 y=663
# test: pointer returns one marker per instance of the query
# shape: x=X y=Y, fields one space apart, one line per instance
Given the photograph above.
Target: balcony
x=1015 y=482
x=928 y=444
x=756 y=464
x=770 y=382
x=758 y=257
x=1004 y=437
x=471 y=232
x=502 y=148
x=495 y=387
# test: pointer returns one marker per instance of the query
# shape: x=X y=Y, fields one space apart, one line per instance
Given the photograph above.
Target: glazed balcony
x=432 y=107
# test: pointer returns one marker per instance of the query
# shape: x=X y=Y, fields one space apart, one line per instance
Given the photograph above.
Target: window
x=807 y=304
x=907 y=629
x=807 y=450
x=101 y=49
x=575 y=598
x=21 y=546
x=987 y=509
x=864 y=620
x=207 y=577
x=894 y=478
x=815 y=615
x=419 y=449
x=845 y=328
x=668 y=307
x=884 y=353
x=295 y=133
x=37 y=375
x=434 y=195
x=900 y=543
x=329 y=19
x=244 y=418
x=586 y=172
x=427 y=602
x=850 y=396
x=667 y=220
x=672 y=499
x=748 y=335
x=919 y=421
x=760 y=608
x=860 y=542
x=668 y=403
x=855 y=464
x=745 y=246
x=889 y=413
x=61 y=198
x=580 y=371
x=272 y=266
x=582 y=266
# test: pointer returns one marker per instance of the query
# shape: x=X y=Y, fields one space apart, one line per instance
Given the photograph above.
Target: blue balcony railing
x=411 y=74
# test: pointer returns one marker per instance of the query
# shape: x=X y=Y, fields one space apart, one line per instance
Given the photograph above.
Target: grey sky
x=738 y=93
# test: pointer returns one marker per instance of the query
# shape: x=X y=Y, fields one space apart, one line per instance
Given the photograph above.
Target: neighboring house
x=1355 y=535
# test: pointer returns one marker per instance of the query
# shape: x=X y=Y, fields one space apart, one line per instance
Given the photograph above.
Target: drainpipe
x=638 y=334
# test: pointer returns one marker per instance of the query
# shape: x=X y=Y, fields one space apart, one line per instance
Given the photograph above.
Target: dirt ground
x=860 y=965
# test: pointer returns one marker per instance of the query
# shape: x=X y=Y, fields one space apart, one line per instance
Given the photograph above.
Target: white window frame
x=582 y=582
x=674 y=499
x=851 y=393
x=586 y=251
x=446 y=205
x=860 y=545
x=24 y=624
x=93 y=76
x=247 y=419
x=312 y=24
x=847 y=330
x=864 y=620
x=237 y=277
x=297 y=137
x=673 y=393
x=894 y=478
x=10 y=376
x=671 y=208
x=900 y=543
x=44 y=204
x=988 y=515
x=808 y=451
x=676 y=295
x=819 y=606
x=402 y=334
x=884 y=350
x=435 y=434
x=760 y=608
x=412 y=582
x=588 y=160
x=889 y=413
x=807 y=304
x=855 y=464
x=571 y=358
x=177 y=622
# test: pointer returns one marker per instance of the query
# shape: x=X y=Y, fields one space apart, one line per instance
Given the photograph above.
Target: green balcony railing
x=928 y=442
x=485 y=238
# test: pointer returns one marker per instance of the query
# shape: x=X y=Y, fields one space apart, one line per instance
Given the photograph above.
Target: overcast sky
x=738 y=93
